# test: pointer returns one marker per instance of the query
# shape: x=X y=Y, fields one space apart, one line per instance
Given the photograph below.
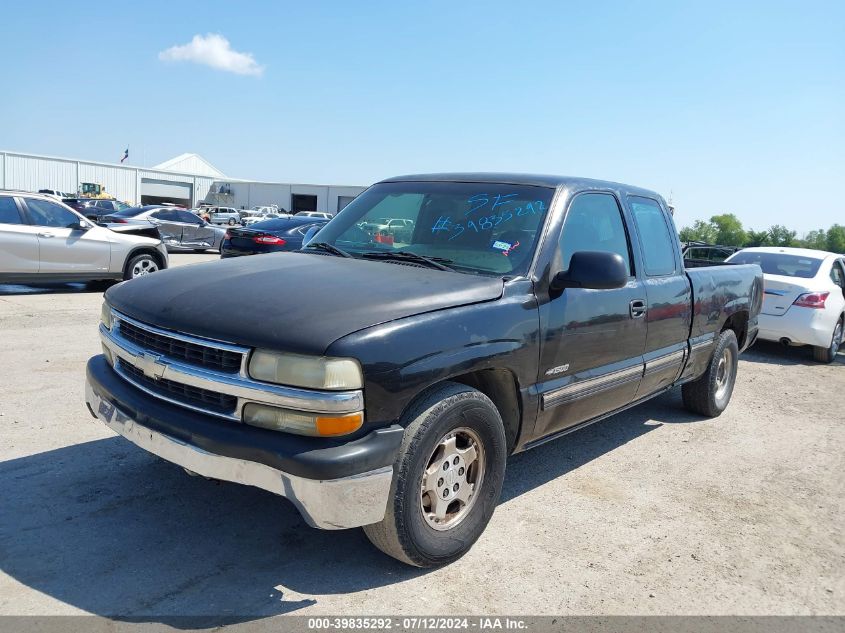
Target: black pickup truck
x=381 y=380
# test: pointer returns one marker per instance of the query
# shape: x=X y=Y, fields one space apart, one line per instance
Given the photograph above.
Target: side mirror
x=597 y=270
x=79 y=226
x=309 y=235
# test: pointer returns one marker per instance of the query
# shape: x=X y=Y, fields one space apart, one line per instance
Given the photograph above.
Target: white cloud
x=213 y=50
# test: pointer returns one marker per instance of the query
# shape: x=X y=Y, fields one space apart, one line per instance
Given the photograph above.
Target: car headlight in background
x=301 y=422
x=314 y=372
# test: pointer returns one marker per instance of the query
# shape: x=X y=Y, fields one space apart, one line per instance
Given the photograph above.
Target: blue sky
x=731 y=107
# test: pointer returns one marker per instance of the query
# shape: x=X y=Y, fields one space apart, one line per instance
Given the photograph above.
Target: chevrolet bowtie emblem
x=151 y=365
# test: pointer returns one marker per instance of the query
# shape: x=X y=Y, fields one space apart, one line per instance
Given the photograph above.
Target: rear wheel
x=140 y=265
x=232 y=222
x=447 y=478
x=710 y=394
x=828 y=354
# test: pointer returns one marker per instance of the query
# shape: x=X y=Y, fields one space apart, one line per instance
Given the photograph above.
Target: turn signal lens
x=812 y=300
x=105 y=315
x=301 y=422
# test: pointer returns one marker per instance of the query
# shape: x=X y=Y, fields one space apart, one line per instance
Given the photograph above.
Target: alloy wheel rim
x=144 y=267
x=836 y=343
x=452 y=479
x=724 y=370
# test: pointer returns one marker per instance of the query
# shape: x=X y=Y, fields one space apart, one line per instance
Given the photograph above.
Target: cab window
x=594 y=223
x=657 y=242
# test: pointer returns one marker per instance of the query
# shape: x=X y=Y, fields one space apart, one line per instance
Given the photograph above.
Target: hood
x=296 y=302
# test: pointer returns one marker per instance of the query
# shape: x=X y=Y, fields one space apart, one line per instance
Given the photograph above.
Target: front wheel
x=828 y=354
x=447 y=478
x=710 y=394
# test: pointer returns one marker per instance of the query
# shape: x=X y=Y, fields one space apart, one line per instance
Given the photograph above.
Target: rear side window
x=658 y=245
x=837 y=275
x=594 y=223
x=9 y=213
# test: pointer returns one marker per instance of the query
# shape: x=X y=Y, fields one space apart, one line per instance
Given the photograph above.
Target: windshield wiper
x=434 y=262
x=329 y=248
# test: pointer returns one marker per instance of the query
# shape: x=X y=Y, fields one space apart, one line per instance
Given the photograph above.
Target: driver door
x=591 y=351
x=64 y=250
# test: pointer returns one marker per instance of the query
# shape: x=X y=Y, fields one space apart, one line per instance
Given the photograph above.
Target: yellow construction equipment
x=93 y=190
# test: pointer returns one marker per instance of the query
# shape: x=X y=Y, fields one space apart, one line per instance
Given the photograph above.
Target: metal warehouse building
x=186 y=180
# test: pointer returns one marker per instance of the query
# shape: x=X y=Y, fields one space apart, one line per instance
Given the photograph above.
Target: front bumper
x=335 y=487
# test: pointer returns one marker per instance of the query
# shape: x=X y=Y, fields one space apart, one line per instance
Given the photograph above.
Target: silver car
x=180 y=229
x=44 y=240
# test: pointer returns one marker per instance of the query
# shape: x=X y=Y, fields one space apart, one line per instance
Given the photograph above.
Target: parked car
x=384 y=386
x=281 y=234
x=697 y=254
x=804 y=301
x=43 y=240
x=224 y=215
x=55 y=193
x=399 y=229
x=314 y=214
x=80 y=205
x=179 y=228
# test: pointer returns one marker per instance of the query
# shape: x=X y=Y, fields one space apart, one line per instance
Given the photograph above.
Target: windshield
x=486 y=228
x=780 y=263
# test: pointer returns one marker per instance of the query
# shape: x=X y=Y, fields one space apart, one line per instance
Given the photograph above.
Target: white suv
x=43 y=240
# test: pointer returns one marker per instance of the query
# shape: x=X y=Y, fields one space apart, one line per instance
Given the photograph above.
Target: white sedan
x=804 y=300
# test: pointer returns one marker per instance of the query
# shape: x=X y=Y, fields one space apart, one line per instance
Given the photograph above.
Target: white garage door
x=166 y=189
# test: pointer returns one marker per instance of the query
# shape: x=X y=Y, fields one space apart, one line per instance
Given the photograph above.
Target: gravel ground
x=653 y=511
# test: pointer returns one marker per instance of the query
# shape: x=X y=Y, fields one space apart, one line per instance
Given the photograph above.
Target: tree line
x=726 y=229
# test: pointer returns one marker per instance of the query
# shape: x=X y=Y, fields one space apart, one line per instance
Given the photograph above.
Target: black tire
x=405 y=533
x=710 y=394
x=828 y=354
x=140 y=265
x=232 y=222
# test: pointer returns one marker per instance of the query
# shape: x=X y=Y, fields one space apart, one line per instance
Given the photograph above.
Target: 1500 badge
x=557 y=370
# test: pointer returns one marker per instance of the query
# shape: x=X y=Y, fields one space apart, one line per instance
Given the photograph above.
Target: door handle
x=46 y=234
x=637 y=308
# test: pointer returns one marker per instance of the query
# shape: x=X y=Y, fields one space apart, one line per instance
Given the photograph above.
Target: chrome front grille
x=194 y=397
x=190 y=352
x=205 y=375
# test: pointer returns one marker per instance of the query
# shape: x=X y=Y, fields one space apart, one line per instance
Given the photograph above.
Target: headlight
x=301 y=422
x=105 y=315
x=296 y=370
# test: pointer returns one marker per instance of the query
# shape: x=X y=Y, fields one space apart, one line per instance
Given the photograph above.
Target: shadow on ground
x=112 y=530
x=770 y=353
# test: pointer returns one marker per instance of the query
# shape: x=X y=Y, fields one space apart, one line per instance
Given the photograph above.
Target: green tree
x=757 y=238
x=700 y=231
x=836 y=239
x=779 y=235
x=728 y=230
x=816 y=239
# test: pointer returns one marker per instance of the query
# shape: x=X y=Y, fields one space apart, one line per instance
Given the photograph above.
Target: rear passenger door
x=18 y=240
x=668 y=294
x=592 y=341
x=168 y=226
